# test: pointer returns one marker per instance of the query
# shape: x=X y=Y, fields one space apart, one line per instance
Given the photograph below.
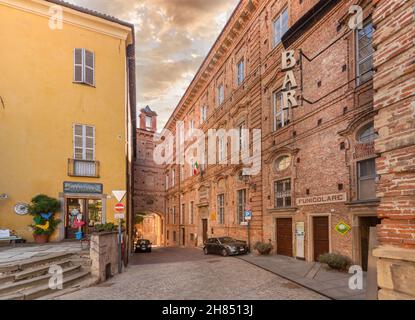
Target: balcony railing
x=83 y=168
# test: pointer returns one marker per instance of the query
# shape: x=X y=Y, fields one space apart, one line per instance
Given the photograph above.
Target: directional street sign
x=248 y=215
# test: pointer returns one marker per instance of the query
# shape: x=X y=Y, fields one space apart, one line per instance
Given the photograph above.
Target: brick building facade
x=394 y=101
x=149 y=191
x=302 y=72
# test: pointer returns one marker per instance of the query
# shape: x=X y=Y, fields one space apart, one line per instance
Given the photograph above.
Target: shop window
x=282 y=190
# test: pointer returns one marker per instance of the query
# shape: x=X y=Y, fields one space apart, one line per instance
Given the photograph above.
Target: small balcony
x=83 y=168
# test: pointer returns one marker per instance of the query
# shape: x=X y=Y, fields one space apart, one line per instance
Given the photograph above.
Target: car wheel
x=205 y=251
x=224 y=252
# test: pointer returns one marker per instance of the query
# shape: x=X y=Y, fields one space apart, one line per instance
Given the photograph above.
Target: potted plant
x=263 y=248
x=43 y=209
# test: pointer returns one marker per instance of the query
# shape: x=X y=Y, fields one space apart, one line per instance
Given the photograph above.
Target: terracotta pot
x=41 y=238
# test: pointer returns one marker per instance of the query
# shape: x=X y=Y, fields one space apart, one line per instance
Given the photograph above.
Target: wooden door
x=285 y=237
x=321 y=236
x=205 y=230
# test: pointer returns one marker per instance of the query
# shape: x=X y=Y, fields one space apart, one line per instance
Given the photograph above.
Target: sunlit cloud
x=173 y=37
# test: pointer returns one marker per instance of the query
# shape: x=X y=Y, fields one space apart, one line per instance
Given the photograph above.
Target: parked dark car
x=225 y=246
x=142 y=245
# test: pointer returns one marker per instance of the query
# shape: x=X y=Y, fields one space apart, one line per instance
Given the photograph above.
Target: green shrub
x=263 y=248
x=335 y=261
x=106 y=227
x=43 y=209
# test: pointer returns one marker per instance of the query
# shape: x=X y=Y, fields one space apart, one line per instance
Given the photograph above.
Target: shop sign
x=79 y=187
x=328 y=198
x=299 y=237
x=343 y=228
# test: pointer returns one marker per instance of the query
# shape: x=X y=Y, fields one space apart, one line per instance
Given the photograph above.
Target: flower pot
x=41 y=238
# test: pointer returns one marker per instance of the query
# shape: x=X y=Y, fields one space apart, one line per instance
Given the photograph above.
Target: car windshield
x=226 y=240
x=142 y=242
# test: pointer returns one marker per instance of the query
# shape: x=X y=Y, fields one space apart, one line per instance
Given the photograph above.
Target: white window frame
x=222 y=148
x=173 y=177
x=191 y=126
x=203 y=113
x=278 y=22
x=84 y=67
x=220 y=94
x=279 y=112
x=83 y=136
x=240 y=67
x=242 y=137
x=148 y=118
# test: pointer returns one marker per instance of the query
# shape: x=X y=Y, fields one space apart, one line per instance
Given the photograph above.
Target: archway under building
x=151 y=228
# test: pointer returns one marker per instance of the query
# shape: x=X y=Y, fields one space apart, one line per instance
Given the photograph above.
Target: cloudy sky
x=173 y=37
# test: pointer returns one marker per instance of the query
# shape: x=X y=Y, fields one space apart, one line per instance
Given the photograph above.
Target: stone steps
x=33 y=262
x=37 y=292
x=29 y=279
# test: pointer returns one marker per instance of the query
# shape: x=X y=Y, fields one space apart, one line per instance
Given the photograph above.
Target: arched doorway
x=151 y=227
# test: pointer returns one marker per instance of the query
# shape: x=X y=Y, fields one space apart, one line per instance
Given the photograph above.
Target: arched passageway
x=151 y=228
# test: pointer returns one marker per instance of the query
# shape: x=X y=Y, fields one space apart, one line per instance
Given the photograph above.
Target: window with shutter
x=78 y=65
x=84 y=142
x=84 y=67
x=89 y=68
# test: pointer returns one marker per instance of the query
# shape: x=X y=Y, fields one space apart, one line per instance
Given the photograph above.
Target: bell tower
x=148 y=119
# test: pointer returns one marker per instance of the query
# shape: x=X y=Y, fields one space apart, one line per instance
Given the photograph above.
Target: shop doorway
x=365 y=223
x=89 y=211
x=285 y=237
x=321 y=238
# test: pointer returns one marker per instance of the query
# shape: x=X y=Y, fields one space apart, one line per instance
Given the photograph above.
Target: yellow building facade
x=66 y=112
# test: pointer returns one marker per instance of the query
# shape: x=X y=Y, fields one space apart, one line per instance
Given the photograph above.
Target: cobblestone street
x=181 y=274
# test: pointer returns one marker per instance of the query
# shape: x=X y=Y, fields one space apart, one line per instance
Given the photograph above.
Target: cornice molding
x=73 y=17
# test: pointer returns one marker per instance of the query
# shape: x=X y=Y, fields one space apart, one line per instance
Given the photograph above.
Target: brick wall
x=394 y=99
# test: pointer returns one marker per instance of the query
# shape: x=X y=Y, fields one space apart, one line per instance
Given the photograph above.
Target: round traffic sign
x=119 y=207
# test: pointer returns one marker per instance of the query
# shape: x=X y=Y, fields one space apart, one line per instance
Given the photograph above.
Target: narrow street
x=183 y=274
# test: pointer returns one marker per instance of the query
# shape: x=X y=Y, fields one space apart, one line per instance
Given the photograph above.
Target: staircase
x=29 y=279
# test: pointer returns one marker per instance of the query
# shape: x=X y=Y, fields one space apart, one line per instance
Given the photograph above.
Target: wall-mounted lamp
x=4 y=196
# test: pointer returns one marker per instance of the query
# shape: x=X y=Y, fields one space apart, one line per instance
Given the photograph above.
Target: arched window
x=283 y=163
x=367 y=133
